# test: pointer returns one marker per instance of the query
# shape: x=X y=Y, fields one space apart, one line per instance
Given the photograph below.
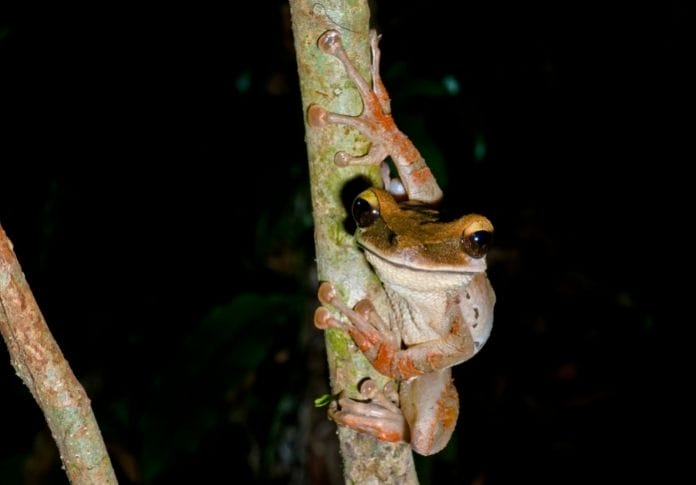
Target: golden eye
x=365 y=209
x=476 y=244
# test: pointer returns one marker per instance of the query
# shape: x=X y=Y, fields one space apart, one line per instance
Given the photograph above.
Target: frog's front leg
x=368 y=330
x=377 y=124
x=382 y=347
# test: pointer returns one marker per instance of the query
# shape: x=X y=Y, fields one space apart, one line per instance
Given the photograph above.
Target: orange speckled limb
x=382 y=348
x=377 y=124
x=377 y=414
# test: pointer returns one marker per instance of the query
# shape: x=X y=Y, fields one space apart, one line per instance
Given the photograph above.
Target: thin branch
x=323 y=81
x=40 y=364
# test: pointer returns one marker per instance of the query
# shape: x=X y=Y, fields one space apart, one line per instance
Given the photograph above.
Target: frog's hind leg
x=377 y=413
x=430 y=405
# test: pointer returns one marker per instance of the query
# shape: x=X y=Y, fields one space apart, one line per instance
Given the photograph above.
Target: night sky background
x=153 y=180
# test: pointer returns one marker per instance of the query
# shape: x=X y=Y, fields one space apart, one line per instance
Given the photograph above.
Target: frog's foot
x=370 y=333
x=377 y=413
x=375 y=122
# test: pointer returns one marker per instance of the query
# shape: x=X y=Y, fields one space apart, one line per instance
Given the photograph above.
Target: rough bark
x=323 y=81
x=40 y=364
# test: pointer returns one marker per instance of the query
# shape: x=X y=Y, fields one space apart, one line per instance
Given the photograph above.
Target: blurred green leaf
x=322 y=401
x=451 y=84
x=480 y=147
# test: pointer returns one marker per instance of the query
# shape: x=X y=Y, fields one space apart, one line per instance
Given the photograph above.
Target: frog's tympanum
x=440 y=303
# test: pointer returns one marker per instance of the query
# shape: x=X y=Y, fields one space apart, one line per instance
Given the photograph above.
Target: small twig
x=40 y=364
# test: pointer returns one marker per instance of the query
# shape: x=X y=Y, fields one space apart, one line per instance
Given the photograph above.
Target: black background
x=153 y=181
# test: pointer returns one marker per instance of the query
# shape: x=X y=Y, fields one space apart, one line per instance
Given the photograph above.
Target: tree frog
x=433 y=273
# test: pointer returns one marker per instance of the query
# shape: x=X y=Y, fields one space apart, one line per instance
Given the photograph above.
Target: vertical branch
x=323 y=81
x=40 y=364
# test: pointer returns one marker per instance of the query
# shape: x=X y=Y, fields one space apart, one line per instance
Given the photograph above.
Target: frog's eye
x=476 y=243
x=365 y=209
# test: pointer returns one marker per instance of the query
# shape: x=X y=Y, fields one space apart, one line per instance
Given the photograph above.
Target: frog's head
x=406 y=242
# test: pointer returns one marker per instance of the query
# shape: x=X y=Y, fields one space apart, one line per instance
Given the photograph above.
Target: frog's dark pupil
x=476 y=244
x=481 y=239
x=363 y=213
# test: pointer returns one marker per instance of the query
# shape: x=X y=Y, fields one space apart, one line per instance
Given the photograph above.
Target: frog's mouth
x=417 y=261
x=418 y=278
